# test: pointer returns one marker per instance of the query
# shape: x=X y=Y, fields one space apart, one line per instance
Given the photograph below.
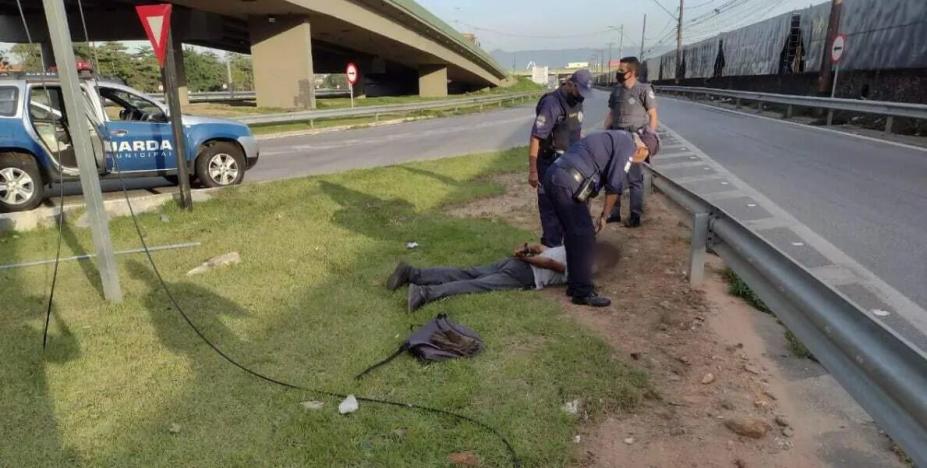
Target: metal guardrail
x=883 y=372
x=376 y=111
x=887 y=108
x=221 y=96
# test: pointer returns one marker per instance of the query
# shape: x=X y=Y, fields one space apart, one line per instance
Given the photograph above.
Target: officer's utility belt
x=586 y=187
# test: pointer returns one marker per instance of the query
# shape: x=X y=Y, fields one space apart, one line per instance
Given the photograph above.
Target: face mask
x=573 y=100
x=622 y=77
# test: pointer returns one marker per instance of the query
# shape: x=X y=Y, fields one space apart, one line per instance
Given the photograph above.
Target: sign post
x=836 y=54
x=351 y=73
x=156 y=20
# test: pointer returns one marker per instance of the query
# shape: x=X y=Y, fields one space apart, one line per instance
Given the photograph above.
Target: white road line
x=799 y=124
x=846 y=265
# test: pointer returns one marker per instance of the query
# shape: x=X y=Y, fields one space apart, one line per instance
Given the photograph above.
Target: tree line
x=139 y=68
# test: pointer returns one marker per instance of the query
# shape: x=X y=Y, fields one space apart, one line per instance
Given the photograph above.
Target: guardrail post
x=697 y=249
x=737 y=103
x=788 y=112
x=311 y=123
x=830 y=117
x=759 y=106
x=648 y=183
x=889 y=123
x=376 y=117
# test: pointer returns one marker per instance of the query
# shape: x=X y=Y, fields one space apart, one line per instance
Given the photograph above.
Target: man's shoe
x=400 y=276
x=592 y=300
x=633 y=222
x=615 y=217
x=417 y=297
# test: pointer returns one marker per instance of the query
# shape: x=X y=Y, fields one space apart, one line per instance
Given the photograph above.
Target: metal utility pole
x=825 y=77
x=228 y=73
x=173 y=99
x=643 y=36
x=679 y=41
x=79 y=130
x=621 y=42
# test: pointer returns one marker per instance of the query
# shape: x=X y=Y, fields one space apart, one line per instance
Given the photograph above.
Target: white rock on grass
x=349 y=405
x=313 y=405
x=571 y=407
x=231 y=258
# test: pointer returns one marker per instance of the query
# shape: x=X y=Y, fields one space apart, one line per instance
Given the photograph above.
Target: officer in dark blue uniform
x=558 y=124
x=598 y=161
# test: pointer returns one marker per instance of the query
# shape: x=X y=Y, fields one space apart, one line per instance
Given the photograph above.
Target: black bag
x=437 y=340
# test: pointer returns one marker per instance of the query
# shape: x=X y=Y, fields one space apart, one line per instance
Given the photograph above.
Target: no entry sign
x=156 y=19
x=352 y=73
x=838 y=48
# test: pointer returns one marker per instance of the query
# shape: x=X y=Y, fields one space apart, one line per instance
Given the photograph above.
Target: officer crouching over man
x=597 y=161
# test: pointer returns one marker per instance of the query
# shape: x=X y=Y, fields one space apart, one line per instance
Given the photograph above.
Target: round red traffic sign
x=839 y=47
x=352 y=73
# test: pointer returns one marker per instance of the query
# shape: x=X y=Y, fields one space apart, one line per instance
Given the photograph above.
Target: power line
x=672 y=15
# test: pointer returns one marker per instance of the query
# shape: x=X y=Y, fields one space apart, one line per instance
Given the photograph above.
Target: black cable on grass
x=511 y=450
x=54 y=282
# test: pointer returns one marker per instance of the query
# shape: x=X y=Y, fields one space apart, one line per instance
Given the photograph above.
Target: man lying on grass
x=531 y=267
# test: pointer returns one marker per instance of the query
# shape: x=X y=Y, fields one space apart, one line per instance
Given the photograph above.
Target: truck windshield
x=8 y=96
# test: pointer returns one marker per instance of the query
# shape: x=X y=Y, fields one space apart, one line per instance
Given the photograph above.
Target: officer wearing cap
x=557 y=125
x=599 y=160
x=633 y=107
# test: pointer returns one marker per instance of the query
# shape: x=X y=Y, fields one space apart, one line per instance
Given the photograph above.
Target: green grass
x=306 y=305
x=737 y=287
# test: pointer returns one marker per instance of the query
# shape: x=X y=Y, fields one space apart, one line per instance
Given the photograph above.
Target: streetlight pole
x=643 y=35
x=679 y=42
x=79 y=130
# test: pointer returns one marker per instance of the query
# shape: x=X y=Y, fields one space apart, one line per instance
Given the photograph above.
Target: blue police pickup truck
x=130 y=132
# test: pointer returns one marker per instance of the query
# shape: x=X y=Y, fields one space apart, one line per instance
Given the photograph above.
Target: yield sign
x=156 y=19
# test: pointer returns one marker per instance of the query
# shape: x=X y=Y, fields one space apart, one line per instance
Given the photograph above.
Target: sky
x=559 y=24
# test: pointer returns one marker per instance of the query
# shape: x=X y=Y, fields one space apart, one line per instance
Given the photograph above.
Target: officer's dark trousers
x=441 y=282
x=551 y=230
x=635 y=191
x=578 y=238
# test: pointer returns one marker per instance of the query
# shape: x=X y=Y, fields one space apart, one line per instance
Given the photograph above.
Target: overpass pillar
x=181 y=79
x=432 y=80
x=281 y=54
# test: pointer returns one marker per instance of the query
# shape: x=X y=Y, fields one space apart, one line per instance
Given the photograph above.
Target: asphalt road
x=867 y=198
x=303 y=155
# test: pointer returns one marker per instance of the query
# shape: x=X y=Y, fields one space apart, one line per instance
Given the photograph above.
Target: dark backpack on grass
x=437 y=340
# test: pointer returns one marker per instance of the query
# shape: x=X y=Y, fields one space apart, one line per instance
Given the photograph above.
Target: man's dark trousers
x=551 y=229
x=442 y=282
x=578 y=238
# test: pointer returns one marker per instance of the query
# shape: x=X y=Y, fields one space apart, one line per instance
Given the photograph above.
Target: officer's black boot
x=634 y=221
x=592 y=300
x=614 y=216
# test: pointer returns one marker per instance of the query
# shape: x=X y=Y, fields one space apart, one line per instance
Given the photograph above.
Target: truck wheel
x=220 y=164
x=21 y=185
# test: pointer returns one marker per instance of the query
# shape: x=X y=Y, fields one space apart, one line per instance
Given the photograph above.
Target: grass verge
x=307 y=305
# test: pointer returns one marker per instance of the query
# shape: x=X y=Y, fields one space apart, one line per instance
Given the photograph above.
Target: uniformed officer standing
x=597 y=161
x=557 y=125
x=632 y=106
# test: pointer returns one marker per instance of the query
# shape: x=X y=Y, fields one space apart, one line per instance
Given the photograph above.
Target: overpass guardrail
x=223 y=96
x=886 y=108
x=377 y=111
x=880 y=369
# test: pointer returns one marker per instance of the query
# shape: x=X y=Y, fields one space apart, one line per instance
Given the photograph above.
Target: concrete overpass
x=400 y=47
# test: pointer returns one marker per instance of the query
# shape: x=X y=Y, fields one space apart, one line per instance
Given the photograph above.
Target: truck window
x=123 y=106
x=8 y=97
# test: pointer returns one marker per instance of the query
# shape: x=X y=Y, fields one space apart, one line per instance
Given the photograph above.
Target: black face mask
x=621 y=77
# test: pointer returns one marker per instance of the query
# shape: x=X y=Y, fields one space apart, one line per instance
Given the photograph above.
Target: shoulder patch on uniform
x=579 y=116
x=651 y=94
x=541 y=121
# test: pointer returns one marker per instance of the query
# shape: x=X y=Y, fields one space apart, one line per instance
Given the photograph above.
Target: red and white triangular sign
x=156 y=19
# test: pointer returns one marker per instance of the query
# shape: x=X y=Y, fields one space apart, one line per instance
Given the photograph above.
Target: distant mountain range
x=556 y=58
